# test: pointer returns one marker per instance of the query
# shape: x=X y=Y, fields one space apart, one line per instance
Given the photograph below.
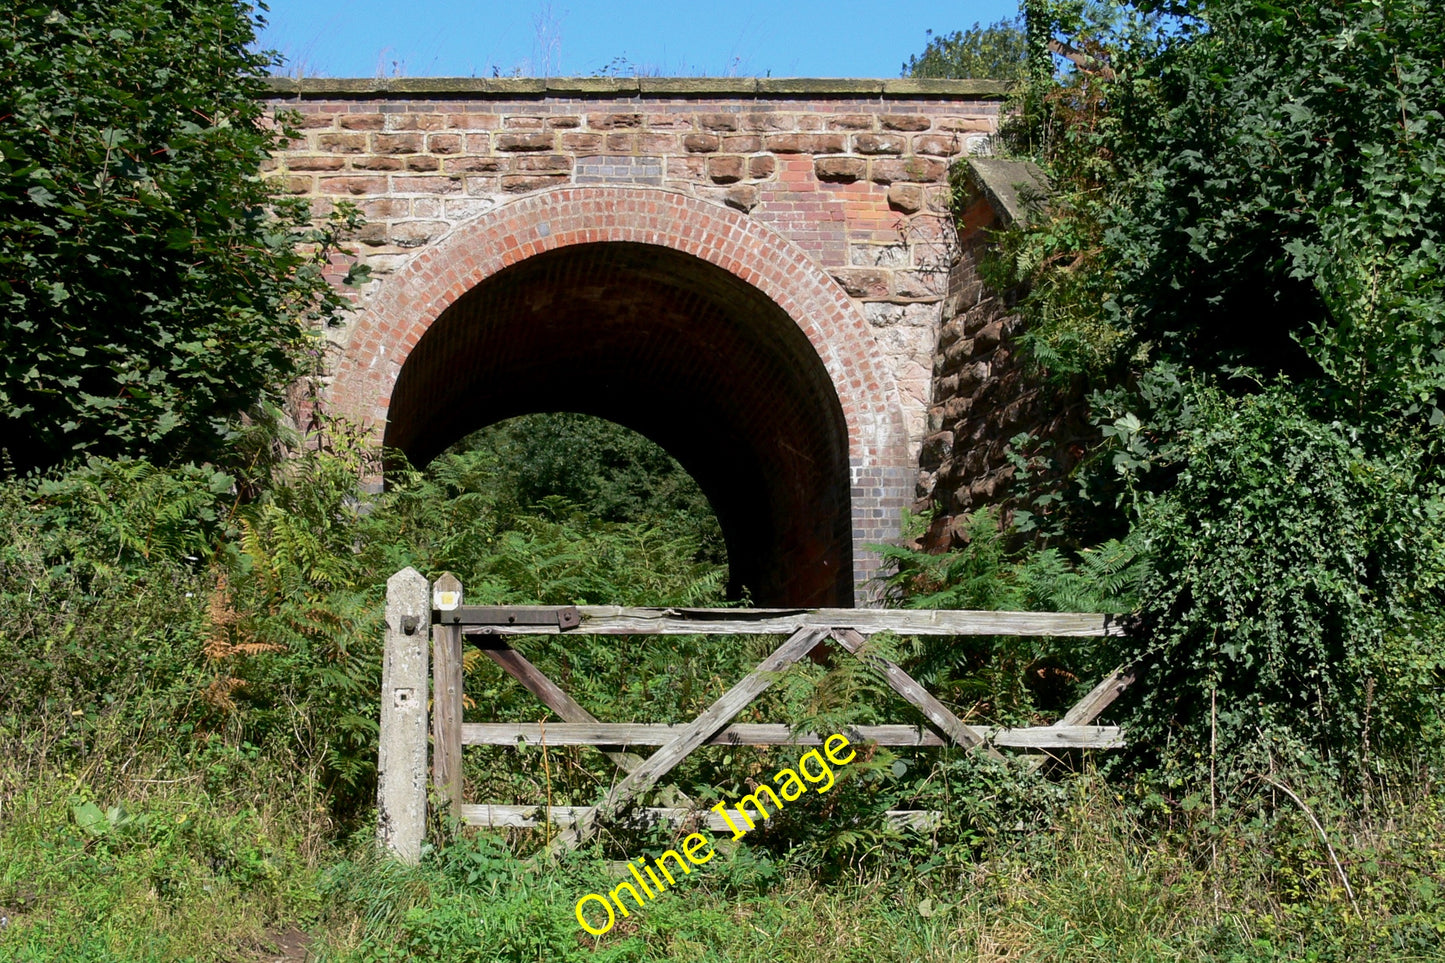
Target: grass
x=201 y=864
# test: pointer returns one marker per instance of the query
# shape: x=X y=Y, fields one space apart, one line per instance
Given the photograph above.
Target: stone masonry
x=829 y=197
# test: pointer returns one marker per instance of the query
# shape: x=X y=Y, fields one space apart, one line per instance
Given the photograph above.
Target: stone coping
x=454 y=87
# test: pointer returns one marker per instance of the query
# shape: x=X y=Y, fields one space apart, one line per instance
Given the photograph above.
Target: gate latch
x=490 y=619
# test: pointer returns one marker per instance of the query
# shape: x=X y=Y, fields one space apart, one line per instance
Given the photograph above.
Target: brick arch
x=558 y=240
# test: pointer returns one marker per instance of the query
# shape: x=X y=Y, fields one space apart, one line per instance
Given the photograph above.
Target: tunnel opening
x=679 y=350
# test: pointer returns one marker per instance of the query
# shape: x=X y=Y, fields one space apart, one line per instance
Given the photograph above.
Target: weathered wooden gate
x=411 y=604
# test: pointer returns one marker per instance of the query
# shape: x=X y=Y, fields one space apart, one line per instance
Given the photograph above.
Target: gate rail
x=412 y=604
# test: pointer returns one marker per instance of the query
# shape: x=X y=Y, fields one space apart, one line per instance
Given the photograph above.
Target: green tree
x=996 y=52
x=1242 y=264
x=152 y=287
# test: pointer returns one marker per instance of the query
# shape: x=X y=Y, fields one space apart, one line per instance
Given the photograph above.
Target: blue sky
x=460 y=38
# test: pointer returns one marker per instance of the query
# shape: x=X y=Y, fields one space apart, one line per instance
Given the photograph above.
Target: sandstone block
x=467 y=165
x=539 y=140
x=523 y=183
x=444 y=143
x=878 y=255
x=341 y=143
x=315 y=163
x=550 y=163
x=313 y=121
x=725 y=168
x=742 y=197
x=524 y=123
x=851 y=122
x=767 y=121
x=839 y=169
x=657 y=142
x=396 y=143
x=297 y=184
x=718 y=121
x=904 y=122
x=426 y=184
x=415 y=121
x=371 y=162
x=353 y=185
x=863 y=282
x=701 y=143
x=922 y=170
x=762 y=166
x=423 y=162
x=905 y=198
x=944 y=145
x=621 y=142
x=360 y=121
x=742 y=144
x=415 y=233
x=935 y=447
x=613 y=121
x=581 y=142
x=879 y=143
x=566 y=122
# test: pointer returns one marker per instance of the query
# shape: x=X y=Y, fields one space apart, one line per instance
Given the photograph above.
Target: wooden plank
x=526 y=817
x=1099 y=698
x=536 y=682
x=904 y=684
x=758 y=734
x=692 y=735
x=447 y=702
x=615 y=620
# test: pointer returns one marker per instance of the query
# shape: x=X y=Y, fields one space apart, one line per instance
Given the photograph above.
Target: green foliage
x=996 y=52
x=1280 y=560
x=1239 y=264
x=152 y=287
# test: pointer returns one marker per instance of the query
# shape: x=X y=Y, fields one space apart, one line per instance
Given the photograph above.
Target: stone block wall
x=984 y=393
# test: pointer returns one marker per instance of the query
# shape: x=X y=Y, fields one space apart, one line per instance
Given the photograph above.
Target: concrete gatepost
x=401 y=766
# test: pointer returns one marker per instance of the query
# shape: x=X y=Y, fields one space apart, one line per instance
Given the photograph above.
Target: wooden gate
x=411 y=604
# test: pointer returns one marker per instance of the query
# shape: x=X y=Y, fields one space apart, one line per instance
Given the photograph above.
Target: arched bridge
x=749 y=272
